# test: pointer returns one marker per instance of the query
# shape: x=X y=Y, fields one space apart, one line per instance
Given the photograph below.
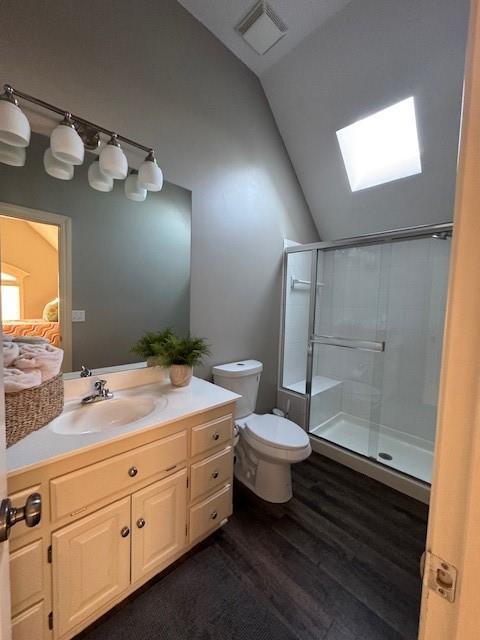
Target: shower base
x=409 y=454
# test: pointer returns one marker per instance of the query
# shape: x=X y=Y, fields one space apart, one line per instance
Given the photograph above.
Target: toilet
x=267 y=444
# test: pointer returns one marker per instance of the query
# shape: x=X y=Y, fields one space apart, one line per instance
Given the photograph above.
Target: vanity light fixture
x=133 y=190
x=68 y=143
x=113 y=162
x=150 y=175
x=55 y=167
x=14 y=156
x=14 y=125
x=65 y=143
x=98 y=180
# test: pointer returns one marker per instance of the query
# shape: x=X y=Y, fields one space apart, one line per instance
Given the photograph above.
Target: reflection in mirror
x=117 y=268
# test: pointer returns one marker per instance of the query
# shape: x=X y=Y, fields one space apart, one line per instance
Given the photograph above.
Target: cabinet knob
x=124 y=532
x=214 y=515
x=140 y=523
x=216 y=436
x=132 y=472
x=215 y=475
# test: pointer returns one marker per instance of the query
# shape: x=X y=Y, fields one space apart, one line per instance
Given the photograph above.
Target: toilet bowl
x=267 y=444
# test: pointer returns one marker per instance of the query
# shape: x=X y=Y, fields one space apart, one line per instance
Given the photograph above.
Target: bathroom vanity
x=118 y=504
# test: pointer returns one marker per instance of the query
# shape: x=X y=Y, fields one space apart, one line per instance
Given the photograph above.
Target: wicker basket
x=32 y=409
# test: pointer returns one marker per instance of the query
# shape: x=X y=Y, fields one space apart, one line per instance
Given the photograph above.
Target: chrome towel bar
x=349 y=343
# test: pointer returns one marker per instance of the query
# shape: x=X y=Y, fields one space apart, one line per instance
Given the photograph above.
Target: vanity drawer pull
x=171 y=468
x=132 y=472
x=140 y=523
x=213 y=515
x=124 y=532
x=215 y=475
x=216 y=435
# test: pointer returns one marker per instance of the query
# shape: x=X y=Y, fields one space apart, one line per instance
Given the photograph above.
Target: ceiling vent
x=262 y=28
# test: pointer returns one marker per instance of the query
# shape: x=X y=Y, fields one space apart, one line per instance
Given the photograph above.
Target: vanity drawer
x=26 y=571
x=210 y=435
x=75 y=492
x=211 y=473
x=209 y=514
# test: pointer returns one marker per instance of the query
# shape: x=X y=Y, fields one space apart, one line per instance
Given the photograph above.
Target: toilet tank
x=242 y=377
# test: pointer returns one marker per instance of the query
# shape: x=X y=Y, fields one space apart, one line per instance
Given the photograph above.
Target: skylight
x=382 y=147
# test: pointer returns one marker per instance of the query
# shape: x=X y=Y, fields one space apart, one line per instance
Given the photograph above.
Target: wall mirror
x=91 y=271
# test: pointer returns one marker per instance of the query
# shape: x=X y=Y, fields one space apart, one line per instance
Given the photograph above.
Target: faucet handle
x=100 y=385
x=85 y=372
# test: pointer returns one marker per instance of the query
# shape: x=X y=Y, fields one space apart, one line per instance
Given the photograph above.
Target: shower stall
x=361 y=343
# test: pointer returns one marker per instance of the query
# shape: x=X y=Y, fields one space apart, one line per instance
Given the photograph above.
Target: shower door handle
x=349 y=343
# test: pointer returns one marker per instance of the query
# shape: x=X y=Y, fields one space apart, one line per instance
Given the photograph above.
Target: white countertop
x=44 y=444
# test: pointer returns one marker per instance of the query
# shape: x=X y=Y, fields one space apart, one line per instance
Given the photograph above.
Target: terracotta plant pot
x=180 y=375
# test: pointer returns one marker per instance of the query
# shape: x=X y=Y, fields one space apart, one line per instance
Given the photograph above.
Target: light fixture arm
x=11 y=93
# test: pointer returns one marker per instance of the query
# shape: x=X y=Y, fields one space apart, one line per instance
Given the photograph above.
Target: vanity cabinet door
x=91 y=564
x=159 y=524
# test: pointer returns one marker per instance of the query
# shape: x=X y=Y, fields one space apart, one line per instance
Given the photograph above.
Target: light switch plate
x=78 y=315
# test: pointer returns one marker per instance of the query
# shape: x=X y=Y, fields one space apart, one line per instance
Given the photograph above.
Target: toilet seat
x=276 y=432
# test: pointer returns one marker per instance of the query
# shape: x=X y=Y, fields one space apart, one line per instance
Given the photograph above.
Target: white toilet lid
x=276 y=431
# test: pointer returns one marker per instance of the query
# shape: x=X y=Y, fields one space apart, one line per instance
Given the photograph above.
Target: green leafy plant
x=150 y=344
x=187 y=351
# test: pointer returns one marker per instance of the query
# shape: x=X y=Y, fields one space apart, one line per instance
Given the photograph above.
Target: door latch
x=442 y=576
x=31 y=514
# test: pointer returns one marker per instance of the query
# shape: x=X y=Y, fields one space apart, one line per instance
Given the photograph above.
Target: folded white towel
x=45 y=357
x=10 y=353
x=16 y=380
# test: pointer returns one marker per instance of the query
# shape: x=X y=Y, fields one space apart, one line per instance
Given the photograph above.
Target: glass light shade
x=56 y=168
x=150 y=175
x=14 y=126
x=97 y=180
x=67 y=145
x=14 y=156
x=133 y=190
x=113 y=162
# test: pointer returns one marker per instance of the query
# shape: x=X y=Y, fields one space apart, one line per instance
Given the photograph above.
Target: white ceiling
x=301 y=17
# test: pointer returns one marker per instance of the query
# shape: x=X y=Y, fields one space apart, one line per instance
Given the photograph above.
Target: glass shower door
x=376 y=349
x=347 y=347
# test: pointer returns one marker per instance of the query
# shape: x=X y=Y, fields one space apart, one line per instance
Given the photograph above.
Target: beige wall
x=24 y=248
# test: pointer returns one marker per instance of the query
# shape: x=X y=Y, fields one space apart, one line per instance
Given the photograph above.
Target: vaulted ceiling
x=341 y=61
x=301 y=17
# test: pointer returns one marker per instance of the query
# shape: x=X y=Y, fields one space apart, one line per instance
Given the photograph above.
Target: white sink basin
x=105 y=415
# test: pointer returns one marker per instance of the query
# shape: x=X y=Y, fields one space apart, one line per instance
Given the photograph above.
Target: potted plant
x=181 y=355
x=149 y=345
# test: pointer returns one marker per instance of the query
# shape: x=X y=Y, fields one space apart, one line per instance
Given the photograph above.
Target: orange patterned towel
x=48 y=330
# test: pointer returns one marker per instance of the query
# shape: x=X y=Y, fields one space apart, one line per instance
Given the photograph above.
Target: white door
x=451 y=611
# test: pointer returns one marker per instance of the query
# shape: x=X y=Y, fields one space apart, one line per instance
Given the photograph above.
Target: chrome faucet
x=101 y=393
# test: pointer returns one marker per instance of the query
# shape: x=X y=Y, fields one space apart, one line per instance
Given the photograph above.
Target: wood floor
x=340 y=561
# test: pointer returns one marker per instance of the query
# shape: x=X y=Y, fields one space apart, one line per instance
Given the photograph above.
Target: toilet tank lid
x=238 y=369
